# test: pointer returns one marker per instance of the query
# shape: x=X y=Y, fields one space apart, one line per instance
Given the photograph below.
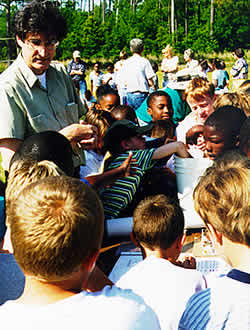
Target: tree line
x=102 y=29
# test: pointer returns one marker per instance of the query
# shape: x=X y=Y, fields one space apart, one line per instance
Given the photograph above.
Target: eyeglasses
x=37 y=44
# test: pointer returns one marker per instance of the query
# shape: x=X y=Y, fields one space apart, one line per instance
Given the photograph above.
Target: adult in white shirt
x=191 y=63
x=137 y=74
x=169 y=64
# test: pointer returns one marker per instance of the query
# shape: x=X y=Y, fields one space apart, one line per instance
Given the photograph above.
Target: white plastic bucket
x=188 y=172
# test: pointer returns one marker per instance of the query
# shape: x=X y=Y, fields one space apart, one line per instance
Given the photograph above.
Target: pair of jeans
x=134 y=100
x=82 y=87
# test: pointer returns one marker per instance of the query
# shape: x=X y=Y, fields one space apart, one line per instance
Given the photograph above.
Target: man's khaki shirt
x=26 y=107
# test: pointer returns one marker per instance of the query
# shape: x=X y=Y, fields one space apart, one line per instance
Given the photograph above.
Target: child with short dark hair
x=222 y=129
x=56 y=230
x=121 y=112
x=158 y=229
x=222 y=200
x=160 y=106
x=109 y=77
x=107 y=98
x=163 y=128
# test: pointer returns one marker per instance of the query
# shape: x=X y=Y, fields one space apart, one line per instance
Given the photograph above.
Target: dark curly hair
x=41 y=17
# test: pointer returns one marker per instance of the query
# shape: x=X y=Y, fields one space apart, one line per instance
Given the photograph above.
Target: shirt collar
x=240 y=276
x=27 y=73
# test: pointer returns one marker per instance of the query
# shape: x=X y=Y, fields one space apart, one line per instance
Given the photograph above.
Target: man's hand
x=83 y=134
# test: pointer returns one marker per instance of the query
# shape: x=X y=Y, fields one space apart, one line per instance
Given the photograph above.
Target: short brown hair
x=55 y=224
x=199 y=88
x=157 y=222
x=222 y=197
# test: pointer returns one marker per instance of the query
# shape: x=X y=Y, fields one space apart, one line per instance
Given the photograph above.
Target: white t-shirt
x=165 y=287
x=181 y=130
x=109 y=309
x=192 y=64
x=97 y=79
x=169 y=63
x=135 y=74
x=111 y=82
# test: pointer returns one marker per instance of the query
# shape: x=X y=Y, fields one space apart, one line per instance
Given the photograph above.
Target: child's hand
x=193 y=133
x=128 y=166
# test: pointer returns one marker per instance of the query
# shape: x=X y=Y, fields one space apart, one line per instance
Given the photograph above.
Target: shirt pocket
x=71 y=113
x=41 y=122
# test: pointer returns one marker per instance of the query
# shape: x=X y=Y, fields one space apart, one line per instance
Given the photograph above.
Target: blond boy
x=158 y=227
x=222 y=200
x=56 y=231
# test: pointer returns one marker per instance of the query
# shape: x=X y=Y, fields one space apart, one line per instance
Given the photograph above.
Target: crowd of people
x=75 y=158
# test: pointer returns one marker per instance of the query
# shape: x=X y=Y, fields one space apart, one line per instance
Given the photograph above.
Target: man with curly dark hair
x=36 y=94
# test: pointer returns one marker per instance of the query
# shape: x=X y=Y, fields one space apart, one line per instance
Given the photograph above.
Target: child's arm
x=100 y=180
x=168 y=149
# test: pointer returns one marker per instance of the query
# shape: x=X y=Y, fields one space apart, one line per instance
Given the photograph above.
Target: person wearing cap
x=191 y=63
x=76 y=70
x=169 y=64
x=37 y=94
x=124 y=136
x=137 y=74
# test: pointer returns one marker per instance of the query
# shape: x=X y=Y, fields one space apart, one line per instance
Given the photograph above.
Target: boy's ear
x=180 y=241
x=124 y=145
x=149 y=111
x=133 y=239
x=215 y=235
x=88 y=264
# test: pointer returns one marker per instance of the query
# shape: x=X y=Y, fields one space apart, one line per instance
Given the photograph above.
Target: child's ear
x=125 y=145
x=215 y=235
x=149 y=111
x=89 y=262
x=180 y=241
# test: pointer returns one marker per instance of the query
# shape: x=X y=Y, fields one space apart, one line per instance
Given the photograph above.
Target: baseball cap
x=123 y=129
x=76 y=53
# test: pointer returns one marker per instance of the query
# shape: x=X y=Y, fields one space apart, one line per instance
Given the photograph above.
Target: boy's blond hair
x=222 y=197
x=236 y=99
x=56 y=223
x=157 y=222
x=199 y=88
x=24 y=172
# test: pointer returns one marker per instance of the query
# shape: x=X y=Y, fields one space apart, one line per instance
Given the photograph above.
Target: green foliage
x=151 y=21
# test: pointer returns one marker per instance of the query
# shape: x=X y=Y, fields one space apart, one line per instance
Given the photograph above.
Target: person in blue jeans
x=137 y=74
x=76 y=70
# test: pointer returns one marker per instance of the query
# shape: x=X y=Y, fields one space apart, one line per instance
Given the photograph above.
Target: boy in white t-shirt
x=56 y=230
x=158 y=226
x=222 y=200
